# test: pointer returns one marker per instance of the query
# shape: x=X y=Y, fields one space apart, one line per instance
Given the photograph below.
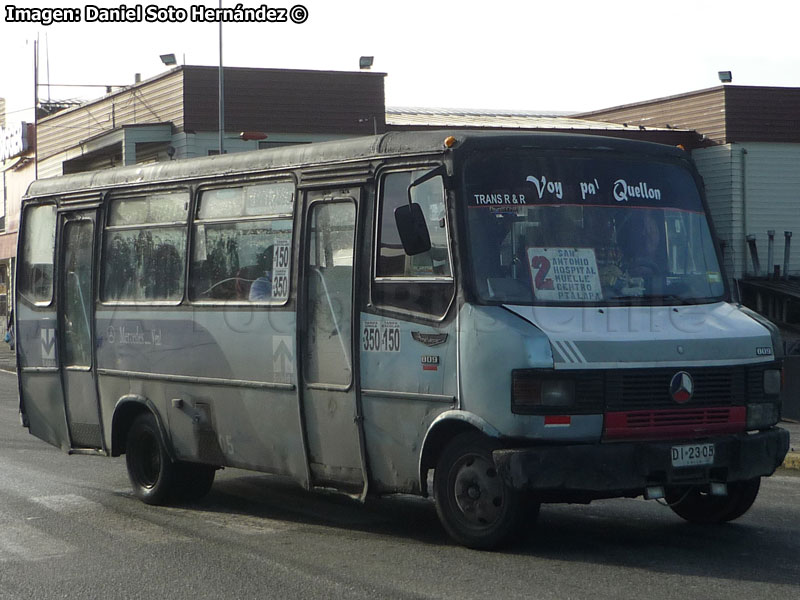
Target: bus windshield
x=566 y=229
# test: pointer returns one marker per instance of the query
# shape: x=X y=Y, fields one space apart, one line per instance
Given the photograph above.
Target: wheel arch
x=126 y=410
x=444 y=428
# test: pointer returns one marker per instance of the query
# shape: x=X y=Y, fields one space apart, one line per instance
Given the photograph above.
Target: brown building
x=176 y=115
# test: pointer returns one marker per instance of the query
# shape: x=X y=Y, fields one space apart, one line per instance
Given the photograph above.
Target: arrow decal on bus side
x=282 y=358
x=48 y=344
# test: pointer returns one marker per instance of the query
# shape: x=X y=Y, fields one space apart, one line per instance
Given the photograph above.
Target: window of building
x=145 y=248
x=241 y=245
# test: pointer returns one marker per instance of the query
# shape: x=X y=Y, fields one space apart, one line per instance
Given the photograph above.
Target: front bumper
x=622 y=468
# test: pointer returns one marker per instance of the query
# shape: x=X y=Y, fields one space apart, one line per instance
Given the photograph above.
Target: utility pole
x=221 y=90
x=36 y=108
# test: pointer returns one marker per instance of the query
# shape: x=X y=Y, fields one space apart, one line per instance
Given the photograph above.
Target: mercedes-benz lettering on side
x=533 y=318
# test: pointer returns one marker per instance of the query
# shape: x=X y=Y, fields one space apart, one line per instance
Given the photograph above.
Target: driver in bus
x=645 y=249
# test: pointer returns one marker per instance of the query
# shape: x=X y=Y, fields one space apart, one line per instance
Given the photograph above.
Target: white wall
x=720 y=167
x=751 y=188
x=772 y=198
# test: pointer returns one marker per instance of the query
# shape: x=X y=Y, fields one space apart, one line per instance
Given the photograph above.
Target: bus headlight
x=530 y=392
x=762 y=415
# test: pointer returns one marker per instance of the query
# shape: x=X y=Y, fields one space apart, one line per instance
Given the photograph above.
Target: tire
x=697 y=506
x=152 y=473
x=476 y=508
x=194 y=481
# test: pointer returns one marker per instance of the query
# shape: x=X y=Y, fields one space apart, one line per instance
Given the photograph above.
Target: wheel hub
x=479 y=492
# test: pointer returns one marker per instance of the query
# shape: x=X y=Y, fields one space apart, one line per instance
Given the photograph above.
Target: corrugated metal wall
x=157 y=101
x=724 y=114
x=703 y=111
x=762 y=114
x=773 y=198
x=276 y=100
x=720 y=167
x=752 y=188
x=271 y=100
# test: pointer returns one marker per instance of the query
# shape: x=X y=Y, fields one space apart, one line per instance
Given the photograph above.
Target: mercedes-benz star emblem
x=681 y=387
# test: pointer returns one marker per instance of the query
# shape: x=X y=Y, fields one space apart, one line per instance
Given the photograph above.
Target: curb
x=792 y=461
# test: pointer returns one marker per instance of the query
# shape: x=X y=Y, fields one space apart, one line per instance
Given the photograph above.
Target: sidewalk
x=8 y=363
x=792 y=460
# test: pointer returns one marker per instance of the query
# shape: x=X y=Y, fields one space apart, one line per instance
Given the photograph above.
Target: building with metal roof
x=414 y=118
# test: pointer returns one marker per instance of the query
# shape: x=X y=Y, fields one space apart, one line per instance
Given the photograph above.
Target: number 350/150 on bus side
x=381 y=339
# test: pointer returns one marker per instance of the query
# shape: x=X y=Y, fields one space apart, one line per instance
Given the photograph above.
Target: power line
x=11 y=112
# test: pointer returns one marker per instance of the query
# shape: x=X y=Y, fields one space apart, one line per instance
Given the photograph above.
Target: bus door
x=76 y=322
x=328 y=386
x=41 y=395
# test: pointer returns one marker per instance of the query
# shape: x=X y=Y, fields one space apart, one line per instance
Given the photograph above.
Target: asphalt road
x=69 y=528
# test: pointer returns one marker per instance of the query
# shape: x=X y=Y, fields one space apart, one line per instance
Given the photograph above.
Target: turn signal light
x=772 y=381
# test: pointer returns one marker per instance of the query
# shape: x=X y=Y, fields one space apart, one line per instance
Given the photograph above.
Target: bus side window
x=36 y=270
x=423 y=282
x=241 y=244
x=144 y=248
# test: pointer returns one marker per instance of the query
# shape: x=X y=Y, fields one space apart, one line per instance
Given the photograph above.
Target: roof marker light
x=449 y=141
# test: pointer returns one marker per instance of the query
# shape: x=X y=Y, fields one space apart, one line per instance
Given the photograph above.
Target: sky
x=554 y=56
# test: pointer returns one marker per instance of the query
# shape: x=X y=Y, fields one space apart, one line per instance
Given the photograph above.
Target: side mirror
x=412 y=228
x=410 y=220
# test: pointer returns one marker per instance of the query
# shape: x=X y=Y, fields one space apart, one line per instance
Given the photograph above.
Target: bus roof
x=332 y=152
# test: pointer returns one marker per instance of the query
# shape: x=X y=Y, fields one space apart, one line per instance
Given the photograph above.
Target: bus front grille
x=684 y=423
x=648 y=389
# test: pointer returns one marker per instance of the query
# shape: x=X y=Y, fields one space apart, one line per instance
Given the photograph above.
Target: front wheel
x=697 y=506
x=475 y=506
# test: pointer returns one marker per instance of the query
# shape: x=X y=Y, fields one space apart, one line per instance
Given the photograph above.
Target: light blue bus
x=496 y=321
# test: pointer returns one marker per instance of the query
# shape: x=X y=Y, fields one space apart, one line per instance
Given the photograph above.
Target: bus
x=494 y=320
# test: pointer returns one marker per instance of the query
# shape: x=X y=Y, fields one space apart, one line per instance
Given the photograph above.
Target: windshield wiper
x=672 y=298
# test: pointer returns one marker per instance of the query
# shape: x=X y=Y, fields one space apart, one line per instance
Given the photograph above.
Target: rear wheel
x=475 y=506
x=698 y=506
x=152 y=473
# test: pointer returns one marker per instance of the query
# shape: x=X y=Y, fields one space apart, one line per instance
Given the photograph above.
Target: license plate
x=692 y=454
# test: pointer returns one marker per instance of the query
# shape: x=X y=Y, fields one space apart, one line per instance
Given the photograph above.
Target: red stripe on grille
x=674 y=423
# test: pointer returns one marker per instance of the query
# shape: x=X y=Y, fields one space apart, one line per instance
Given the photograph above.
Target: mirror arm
x=440 y=170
